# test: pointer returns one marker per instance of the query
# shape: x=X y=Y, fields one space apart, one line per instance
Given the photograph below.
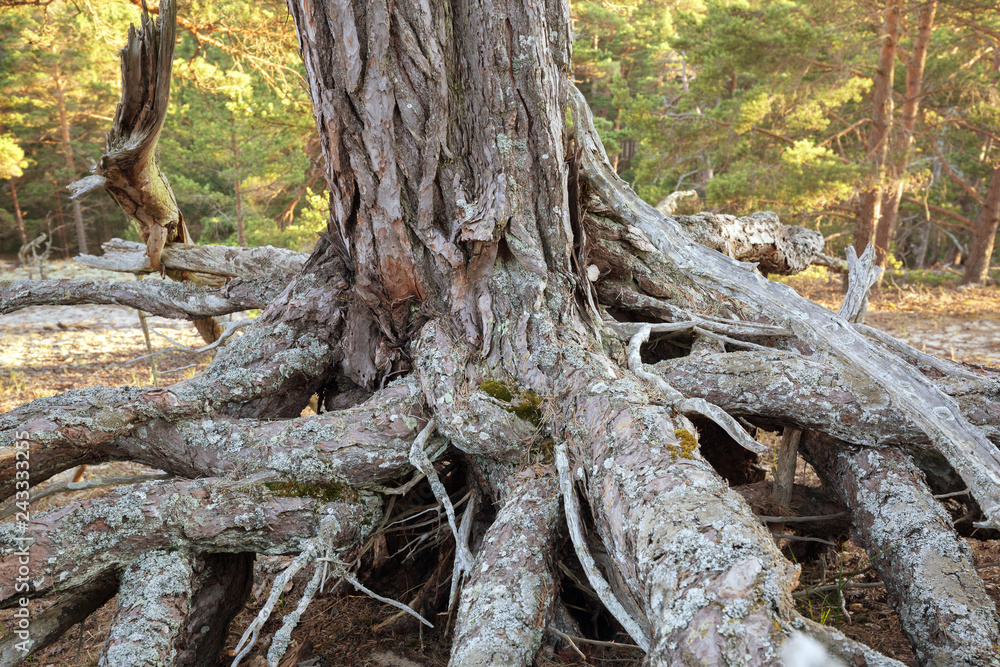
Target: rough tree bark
x=490 y=293
x=900 y=150
x=977 y=267
x=878 y=137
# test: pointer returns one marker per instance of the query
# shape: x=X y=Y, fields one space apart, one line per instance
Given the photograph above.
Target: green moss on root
x=496 y=389
x=323 y=492
x=528 y=407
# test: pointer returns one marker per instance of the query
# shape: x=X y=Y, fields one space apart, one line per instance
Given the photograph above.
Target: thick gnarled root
x=508 y=598
x=154 y=599
x=84 y=541
x=364 y=444
x=710 y=582
x=941 y=601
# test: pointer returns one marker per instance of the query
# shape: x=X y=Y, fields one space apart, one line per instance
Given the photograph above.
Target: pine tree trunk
x=977 y=266
x=81 y=232
x=241 y=231
x=881 y=126
x=900 y=150
x=18 y=218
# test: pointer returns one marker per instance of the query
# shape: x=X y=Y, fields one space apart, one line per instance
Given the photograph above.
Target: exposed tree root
x=365 y=444
x=786 y=388
x=509 y=596
x=223 y=586
x=759 y=238
x=922 y=404
x=500 y=287
x=153 y=603
x=694 y=557
x=941 y=601
x=46 y=628
x=85 y=541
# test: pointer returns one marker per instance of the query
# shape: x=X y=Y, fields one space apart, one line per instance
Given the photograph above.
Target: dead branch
x=182 y=300
x=758 y=238
x=264 y=264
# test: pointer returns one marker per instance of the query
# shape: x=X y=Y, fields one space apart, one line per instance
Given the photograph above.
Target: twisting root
x=249 y=638
x=688 y=406
x=597 y=582
x=418 y=457
x=464 y=531
x=351 y=579
x=283 y=637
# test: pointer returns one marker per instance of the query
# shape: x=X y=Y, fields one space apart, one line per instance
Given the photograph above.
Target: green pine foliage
x=754 y=104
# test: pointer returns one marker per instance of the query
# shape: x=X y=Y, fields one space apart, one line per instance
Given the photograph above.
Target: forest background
x=857 y=118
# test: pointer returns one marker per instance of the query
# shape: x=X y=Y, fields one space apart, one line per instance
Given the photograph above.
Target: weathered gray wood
x=936 y=415
x=368 y=443
x=166 y=299
x=785 y=388
x=266 y=263
x=757 y=238
x=472 y=239
x=648 y=492
x=863 y=272
x=128 y=170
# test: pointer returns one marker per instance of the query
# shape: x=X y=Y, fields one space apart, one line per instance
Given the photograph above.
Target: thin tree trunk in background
x=920 y=259
x=871 y=199
x=977 y=268
x=241 y=232
x=17 y=213
x=61 y=222
x=60 y=228
x=886 y=225
x=81 y=233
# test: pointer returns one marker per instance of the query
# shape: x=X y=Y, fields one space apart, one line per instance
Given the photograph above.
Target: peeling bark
x=480 y=278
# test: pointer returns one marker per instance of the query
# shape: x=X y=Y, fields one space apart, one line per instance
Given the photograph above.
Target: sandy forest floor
x=44 y=351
